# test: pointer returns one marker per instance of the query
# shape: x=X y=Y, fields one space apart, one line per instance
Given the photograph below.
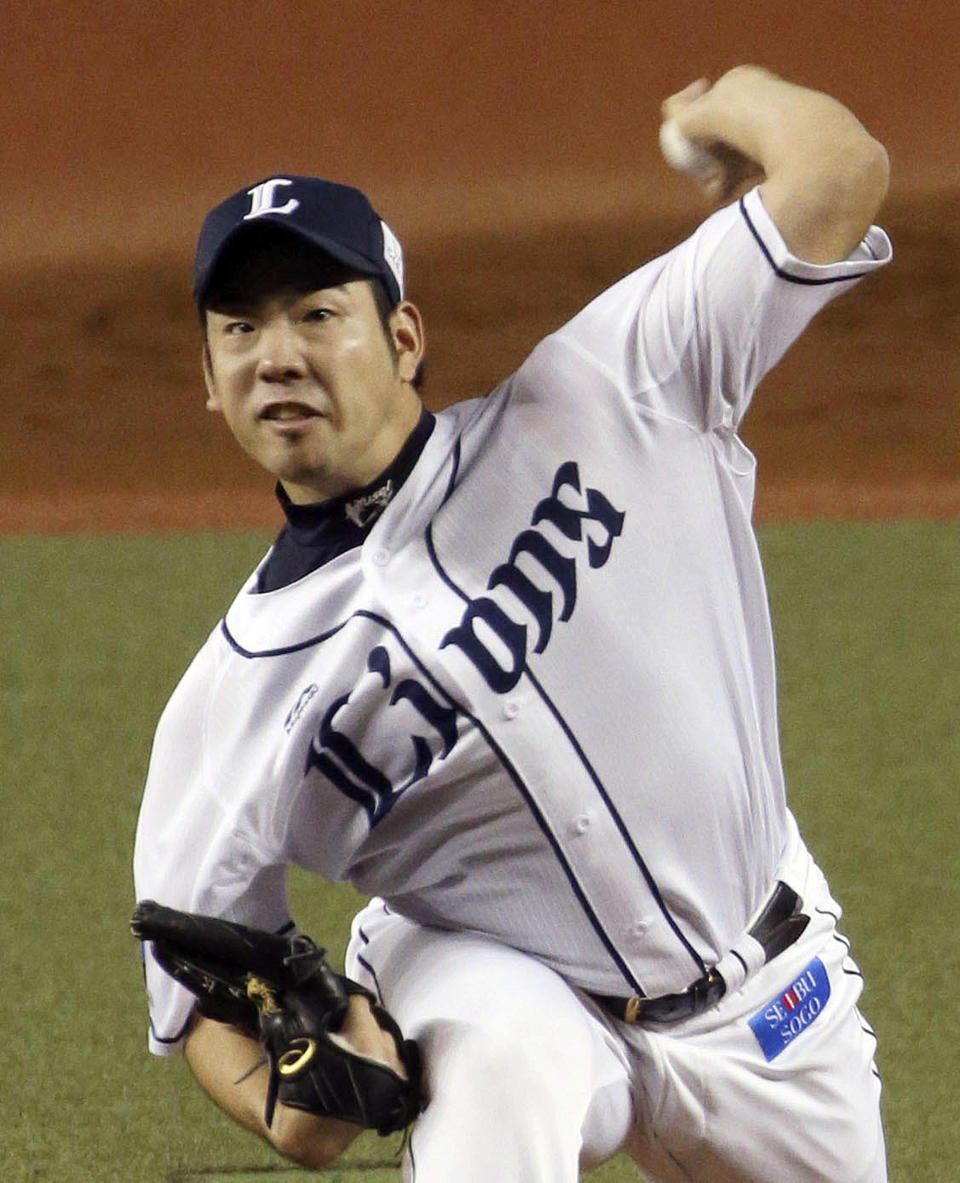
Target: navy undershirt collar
x=315 y=534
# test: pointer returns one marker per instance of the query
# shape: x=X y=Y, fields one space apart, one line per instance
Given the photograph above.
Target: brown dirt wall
x=515 y=155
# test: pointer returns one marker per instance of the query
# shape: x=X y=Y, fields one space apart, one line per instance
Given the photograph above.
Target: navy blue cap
x=336 y=218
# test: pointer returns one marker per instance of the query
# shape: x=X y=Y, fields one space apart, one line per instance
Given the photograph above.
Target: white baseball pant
x=529 y=1082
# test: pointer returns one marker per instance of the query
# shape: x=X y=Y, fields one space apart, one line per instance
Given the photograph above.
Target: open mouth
x=287 y=412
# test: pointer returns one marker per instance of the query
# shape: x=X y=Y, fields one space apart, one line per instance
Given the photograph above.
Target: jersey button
x=381 y=556
x=419 y=601
x=511 y=709
x=581 y=823
x=638 y=929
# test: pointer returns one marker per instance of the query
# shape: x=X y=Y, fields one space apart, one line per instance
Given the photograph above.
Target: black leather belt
x=775 y=929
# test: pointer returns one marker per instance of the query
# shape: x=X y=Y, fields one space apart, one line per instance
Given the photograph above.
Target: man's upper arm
x=690 y=335
x=823 y=214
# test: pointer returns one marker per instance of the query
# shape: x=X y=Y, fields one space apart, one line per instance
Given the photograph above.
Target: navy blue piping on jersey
x=591 y=772
x=494 y=747
x=618 y=821
x=238 y=648
x=454 y=469
x=853 y=973
x=164 y=1039
x=284 y=649
x=173 y=1038
x=428 y=532
x=807 y=281
x=368 y=967
x=520 y=784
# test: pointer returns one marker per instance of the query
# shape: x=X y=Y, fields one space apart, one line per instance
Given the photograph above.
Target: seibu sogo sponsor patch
x=789 y=1014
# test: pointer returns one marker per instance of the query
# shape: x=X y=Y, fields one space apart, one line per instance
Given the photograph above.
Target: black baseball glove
x=282 y=991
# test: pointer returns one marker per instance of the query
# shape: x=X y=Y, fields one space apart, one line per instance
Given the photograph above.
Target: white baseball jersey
x=538 y=702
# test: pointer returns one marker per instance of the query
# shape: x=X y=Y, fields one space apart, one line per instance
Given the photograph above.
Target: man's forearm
x=231 y=1069
x=825 y=175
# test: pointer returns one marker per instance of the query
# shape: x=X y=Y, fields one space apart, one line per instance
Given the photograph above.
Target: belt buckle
x=708 y=990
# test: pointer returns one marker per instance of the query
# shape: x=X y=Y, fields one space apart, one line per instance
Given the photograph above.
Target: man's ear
x=213 y=399
x=406 y=332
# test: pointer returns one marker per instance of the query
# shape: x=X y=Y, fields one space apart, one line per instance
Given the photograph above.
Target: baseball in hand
x=683 y=154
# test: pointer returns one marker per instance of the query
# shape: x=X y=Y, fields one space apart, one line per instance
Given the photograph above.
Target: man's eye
x=235 y=327
x=317 y=314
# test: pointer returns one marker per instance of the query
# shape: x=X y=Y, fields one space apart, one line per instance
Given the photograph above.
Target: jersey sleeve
x=194 y=849
x=690 y=334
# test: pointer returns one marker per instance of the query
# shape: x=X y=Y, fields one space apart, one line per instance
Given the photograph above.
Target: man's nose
x=281 y=357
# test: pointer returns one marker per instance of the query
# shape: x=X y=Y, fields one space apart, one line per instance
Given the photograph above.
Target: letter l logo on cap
x=262 y=196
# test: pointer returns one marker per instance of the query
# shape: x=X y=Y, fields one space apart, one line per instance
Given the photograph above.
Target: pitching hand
x=721 y=169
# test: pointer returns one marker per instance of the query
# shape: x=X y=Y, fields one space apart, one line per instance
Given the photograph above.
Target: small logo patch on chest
x=293 y=717
x=789 y=1014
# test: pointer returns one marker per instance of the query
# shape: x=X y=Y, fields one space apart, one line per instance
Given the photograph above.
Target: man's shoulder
x=453 y=417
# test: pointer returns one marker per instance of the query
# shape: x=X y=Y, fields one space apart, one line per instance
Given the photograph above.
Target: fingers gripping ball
x=684 y=155
x=282 y=991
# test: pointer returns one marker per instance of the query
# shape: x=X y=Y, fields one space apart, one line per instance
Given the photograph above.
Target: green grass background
x=96 y=631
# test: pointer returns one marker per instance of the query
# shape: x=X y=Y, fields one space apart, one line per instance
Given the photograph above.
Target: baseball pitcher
x=509 y=669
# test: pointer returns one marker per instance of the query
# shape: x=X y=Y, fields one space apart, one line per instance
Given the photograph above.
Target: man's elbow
x=310 y=1141
x=836 y=159
x=866 y=169
x=825 y=202
x=854 y=193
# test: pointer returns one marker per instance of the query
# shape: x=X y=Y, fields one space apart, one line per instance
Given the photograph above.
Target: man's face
x=299 y=365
